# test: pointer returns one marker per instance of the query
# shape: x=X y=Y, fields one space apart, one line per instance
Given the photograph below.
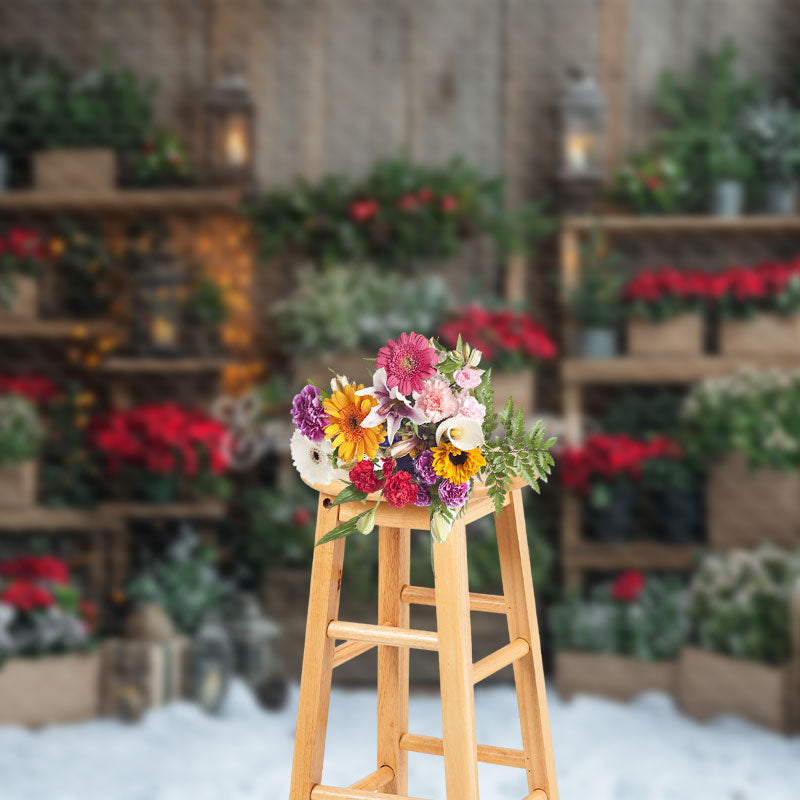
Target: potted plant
x=164 y=452
x=47 y=674
x=774 y=136
x=745 y=606
x=512 y=344
x=730 y=167
x=744 y=427
x=160 y=160
x=606 y=470
x=759 y=307
x=326 y=314
x=21 y=437
x=21 y=263
x=205 y=313
x=624 y=641
x=650 y=184
x=596 y=302
x=675 y=488
x=665 y=312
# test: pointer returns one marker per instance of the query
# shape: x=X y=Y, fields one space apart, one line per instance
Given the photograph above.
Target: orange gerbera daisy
x=346 y=412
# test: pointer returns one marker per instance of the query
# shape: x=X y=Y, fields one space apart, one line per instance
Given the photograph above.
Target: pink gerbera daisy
x=408 y=361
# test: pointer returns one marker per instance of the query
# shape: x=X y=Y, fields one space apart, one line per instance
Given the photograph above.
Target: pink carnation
x=467 y=378
x=469 y=407
x=437 y=400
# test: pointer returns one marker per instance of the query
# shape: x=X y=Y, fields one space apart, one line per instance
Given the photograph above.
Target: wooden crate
x=75 y=170
x=615 y=677
x=24 y=302
x=765 y=334
x=681 y=335
x=18 y=484
x=709 y=684
x=769 y=511
x=45 y=691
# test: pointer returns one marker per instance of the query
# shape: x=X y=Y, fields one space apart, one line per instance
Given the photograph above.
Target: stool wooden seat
x=452 y=640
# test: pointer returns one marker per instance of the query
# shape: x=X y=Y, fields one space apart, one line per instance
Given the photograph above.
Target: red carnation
x=364 y=478
x=628 y=586
x=388 y=467
x=400 y=490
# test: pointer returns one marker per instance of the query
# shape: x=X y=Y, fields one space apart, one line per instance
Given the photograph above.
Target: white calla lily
x=463 y=432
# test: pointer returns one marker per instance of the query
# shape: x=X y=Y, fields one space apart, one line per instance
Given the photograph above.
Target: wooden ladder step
x=334 y=793
x=421 y=596
x=431 y=745
x=383 y=634
x=494 y=662
x=375 y=781
x=348 y=651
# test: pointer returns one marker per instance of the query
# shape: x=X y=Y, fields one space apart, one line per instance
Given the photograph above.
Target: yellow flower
x=457 y=466
x=346 y=412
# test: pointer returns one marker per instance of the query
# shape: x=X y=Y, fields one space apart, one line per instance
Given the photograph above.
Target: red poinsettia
x=607 y=457
x=35 y=568
x=628 y=587
x=24 y=244
x=363 y=210
x=162 y=439
x=508 y=339
x=26 y=596
x=36 y=388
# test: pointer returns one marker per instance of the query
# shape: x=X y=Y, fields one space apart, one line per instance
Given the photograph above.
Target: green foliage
x=354 y=307
x=597 y=299
x=752 y=412
x=643 y=415
x=160 y=160
x=184 y=583
x=740 y=603
x=401 y=213
x=773 y=136
x=21 y=432
x=206 y=304
x=704 y=111
x=660 y=474
x=650 y=184
x=654 y=627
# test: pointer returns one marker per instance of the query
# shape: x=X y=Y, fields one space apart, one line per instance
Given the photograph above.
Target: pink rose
x=469 y=407
x=437 y=400
x=467 y=378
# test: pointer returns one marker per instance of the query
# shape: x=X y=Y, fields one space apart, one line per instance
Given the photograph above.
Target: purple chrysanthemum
x=423 y=466
x=423 y=496
x=308 y=414
x=453 y=495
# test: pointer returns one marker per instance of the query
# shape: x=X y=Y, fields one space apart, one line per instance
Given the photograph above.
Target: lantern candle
x=578 y=155
x=236 y=144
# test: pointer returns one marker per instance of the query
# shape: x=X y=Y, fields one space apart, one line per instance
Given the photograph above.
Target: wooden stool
x=393 y=637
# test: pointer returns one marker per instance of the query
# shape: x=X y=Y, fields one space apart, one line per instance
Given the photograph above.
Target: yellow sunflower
x=457 y=466
x=346 y=412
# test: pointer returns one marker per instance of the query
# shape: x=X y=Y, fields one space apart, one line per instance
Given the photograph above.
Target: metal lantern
x=159 y=295
x=255 y=643
x=211 y=666
x=582 y=111
x=229 y=126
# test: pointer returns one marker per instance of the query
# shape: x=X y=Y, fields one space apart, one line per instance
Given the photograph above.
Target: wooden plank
x=614 y=78
x=621 y=225
x=631 y=555
x=56 y=328
x=488 y=754
x=334 y=793
x=348 y=651
x=455 y=665
x=207 y=509
x=54 y=519
x=165 y=366
x=394 y=553
x=422 y=596
x=383 y=635
x=315 y=683
x=124 y=201
x=512 y=545
x=501 y=658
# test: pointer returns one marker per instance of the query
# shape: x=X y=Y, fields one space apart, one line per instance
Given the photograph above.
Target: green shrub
x=21 y=432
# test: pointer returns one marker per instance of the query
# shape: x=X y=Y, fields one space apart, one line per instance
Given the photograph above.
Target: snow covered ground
x=604 y=751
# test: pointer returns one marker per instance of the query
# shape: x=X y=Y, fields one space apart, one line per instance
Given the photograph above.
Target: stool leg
x=515 y=566
x=393 y=574
x=455 y=665
x=315 y=683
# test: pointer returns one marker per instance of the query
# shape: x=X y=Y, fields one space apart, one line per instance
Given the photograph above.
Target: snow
x=604 y=751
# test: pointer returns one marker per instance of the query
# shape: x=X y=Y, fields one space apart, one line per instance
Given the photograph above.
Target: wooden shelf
x=119 y=201
x=165 y=366
x=664 y=369
x=697 y=224
x=631 y=555
x=55 y=328
x=54 y=519
x=211 y=509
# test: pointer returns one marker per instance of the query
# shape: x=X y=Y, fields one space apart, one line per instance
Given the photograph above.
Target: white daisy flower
x=312 y=459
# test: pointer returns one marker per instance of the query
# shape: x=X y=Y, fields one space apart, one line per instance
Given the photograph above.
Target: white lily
x=463 y=432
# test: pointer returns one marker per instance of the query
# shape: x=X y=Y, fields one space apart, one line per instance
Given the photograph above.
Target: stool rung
x=538 y=794
x=504 y=756
x=334 y=793
x=383 y=634
x=375 y=781
x=421 y=596
x=348 y=651
x=494 y=662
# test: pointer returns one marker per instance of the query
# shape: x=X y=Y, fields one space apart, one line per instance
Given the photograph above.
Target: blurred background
x=205 y=204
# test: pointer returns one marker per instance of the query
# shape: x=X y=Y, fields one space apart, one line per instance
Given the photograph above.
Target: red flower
x=26 y=596
x=388 y=467
x=363 y=210
x=32 y=568
x=300 y=517
x=408 y=203
x=400 y=490
x=364 y=478
x=36 y=388
x=628 y=586
x=25 y=243
x=425 y=195
x=448 y=204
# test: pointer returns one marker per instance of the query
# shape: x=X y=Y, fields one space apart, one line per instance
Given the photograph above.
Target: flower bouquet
x=423 y=434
